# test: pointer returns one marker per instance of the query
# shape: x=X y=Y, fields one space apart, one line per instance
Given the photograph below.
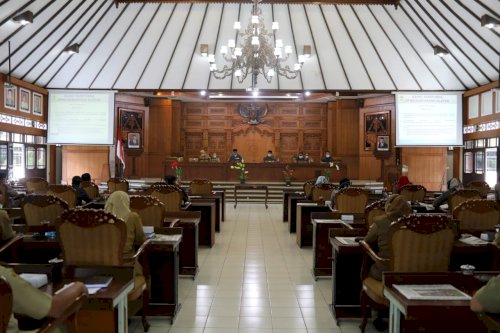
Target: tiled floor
x=254 y=280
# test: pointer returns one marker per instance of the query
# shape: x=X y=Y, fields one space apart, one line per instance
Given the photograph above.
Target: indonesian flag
x=119 y=147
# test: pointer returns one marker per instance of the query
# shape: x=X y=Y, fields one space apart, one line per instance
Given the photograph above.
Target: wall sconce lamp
x=307 y=51
x=440 y=51
x=72 y=49
x=204 y=50
x=489 y=22
x=24 y=18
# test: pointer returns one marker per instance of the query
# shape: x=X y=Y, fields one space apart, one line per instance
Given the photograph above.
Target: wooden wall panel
x=426 y=166
x=77 y=160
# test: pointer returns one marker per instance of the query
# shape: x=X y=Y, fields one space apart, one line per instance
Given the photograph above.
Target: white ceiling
x=156 y=46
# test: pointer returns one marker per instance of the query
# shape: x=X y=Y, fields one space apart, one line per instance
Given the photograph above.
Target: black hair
x=76 y=181
x=86 y=177
x=344 y=182
x=3 y=176
x=170 y=179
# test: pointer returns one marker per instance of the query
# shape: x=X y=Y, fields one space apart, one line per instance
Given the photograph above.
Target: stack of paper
x=431 y=292
x=98 y=281
x=167 y=238
x=472 y=240
x=347 y=240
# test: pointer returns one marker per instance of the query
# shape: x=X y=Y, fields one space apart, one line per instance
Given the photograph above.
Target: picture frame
x=133 y=140
x=24 y=100
x=383 y=143
x=375 y=124
x=37 y=104
x=10 y=96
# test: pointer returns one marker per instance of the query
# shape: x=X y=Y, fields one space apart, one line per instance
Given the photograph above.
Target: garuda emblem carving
x=253 y=113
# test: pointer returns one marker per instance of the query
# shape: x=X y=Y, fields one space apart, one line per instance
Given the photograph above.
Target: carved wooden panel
x=289 y=142
x=289 y=124
x=308 y=111
x=289 y=111
x=216 y=123
x=194 y=142
x=194 y=123
x=217 y=111
x=217 y=143
x=193 y=111
x=312 y=124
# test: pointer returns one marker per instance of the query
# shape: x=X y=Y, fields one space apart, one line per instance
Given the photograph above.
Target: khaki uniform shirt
x=489 y=295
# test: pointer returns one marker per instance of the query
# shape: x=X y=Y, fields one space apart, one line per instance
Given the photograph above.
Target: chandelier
x=256 y=54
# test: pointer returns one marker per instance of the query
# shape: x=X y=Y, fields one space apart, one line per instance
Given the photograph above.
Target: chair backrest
x=37 y=185
x=479 y=185
x=169 y=195
x=421 y=243
x=4 y=195
x=413 y=192
x=477 y=215
x=373 y=210
x=150 y=209
x=6 y=301
x=351 y=200
x=200 y=187
x=91 y=237
x=42 y=207
x=65 y=192
x=90 y=188
x=117 y=184
x=308 y=184
x=322 y=190
x=459 y=196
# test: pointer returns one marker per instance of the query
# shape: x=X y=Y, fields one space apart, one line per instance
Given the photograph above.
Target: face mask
x=327 y=155
x=269 y=155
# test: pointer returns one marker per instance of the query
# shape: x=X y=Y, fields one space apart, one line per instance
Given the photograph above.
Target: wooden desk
x=217 y=206
x=163 y=260
x=222 y=195
x=322 y=250
x=432 y=315
x=286 y=195
x=249 y=187
x=188 y=249
x=346 y=268
x=292 y=211
x=304 y=227
x=206 y=226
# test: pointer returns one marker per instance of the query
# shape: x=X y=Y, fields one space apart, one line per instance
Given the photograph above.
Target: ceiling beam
x=318 y=2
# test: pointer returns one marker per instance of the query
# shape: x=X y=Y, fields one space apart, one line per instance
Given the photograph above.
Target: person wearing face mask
x=269 y=158
x=327 y=158
x=300 y=157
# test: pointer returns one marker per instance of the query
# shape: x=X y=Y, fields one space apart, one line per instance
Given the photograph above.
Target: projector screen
x=428 y=119
x=83 y=117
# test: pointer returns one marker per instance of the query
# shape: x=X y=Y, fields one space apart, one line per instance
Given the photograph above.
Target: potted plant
x=177 y=169
x=288 y=175
x=243 y=173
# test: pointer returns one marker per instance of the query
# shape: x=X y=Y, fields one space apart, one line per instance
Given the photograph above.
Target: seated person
x=235 y=157
x=172 y=180
x=319 y=180
x=15 y=198
x=214 y=158
x=34 y=303
x=270 y=157
x=487 y=299
x=402 y=181
x=327 y=158
x=86 y=177
x=204 y=157
x=301 y=157
x=378 y=237
x=81 y=195
x=6 y=231
x=343 y=183
x=118 y=204
x=307 y=158
x=453 y=185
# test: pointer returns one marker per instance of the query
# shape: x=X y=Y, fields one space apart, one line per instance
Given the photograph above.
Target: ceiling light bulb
x=223 y=49
x=231 y=43
x=255 y=19
x=279 y=43
x=275 y=26
x=237 y=25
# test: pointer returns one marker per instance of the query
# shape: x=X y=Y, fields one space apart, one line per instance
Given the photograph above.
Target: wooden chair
x=91 y=189
x=37 y=185
x=322 y=191
x=419 y=243
x=6 y=300
x=4 y=195
x=459 y=196
x=117 y=184
x=200 y=187
x=374 y=210
x=91 y=237
x=479 y=185
x=413 y=192
x=40 y=207
x=169 y=195
x=308 y=184
x=150 y=209
x=477 y=215
x=351 y=200
x=65 y=192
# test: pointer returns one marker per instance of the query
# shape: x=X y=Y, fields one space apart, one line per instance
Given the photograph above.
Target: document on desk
x=472 y=240
x=167 y=238
x=431 y=292
x=36 y=280
x=347 y=240
x=98 y=281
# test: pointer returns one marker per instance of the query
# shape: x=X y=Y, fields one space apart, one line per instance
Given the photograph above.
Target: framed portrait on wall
x=376 y=124
x=37 y=104
x=133 y=140
x=383 y=143
x=24 y=100
x=10 y=96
